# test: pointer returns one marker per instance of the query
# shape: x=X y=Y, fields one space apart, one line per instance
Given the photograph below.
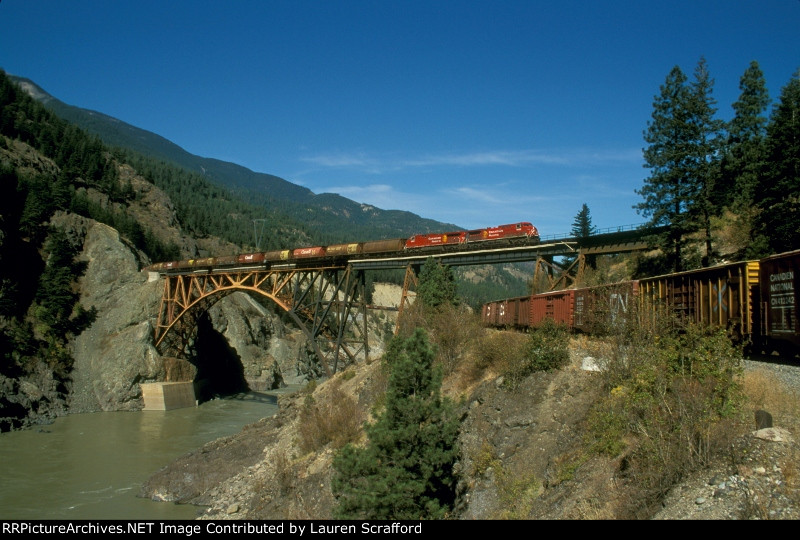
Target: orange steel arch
x=322 y=301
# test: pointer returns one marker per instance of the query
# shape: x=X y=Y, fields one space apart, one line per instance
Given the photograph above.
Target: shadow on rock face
x=219 y=367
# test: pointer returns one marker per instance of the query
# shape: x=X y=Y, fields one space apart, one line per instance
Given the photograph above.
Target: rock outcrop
x=116 y=353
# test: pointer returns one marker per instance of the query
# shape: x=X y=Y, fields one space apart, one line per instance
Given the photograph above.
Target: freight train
x=756 y=301
x=520 y=233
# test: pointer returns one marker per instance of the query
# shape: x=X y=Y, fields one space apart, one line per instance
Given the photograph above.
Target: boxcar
x=556 y=305
x=779 y=284
x=509 y=313
x=603 y=307
x=724 y=296
x=492 y=313
x=384 y=246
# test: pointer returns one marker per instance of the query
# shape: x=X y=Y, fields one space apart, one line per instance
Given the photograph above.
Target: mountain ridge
x=261 y=188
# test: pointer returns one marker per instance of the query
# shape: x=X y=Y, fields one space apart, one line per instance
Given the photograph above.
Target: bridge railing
x=607 y=230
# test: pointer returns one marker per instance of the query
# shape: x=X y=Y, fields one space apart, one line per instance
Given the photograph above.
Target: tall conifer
x=406 y=471
x=779 y=195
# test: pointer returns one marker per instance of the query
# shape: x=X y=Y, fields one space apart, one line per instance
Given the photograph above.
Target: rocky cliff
x=116 y=353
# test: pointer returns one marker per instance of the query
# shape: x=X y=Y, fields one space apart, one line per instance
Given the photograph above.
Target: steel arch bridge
x=327 y=298
x=327 y=303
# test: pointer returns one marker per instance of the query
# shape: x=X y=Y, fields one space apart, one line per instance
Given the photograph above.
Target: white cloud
x=508 y=158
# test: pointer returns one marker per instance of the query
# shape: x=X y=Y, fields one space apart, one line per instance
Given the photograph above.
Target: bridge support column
x=164 y=396
x=410 y=281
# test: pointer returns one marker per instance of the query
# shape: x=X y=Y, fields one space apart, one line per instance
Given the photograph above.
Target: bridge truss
x=327 y=303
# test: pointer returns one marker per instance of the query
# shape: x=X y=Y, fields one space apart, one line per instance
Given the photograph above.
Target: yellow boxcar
x=723 y=296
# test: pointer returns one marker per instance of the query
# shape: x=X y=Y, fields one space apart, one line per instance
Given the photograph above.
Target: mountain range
x=326 y=211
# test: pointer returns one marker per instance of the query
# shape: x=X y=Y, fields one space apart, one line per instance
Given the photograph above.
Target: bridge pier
x=164 y=396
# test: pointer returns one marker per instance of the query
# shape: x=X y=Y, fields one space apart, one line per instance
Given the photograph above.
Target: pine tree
x=744 y=149
x=582 y=228
x=779 y=195
x=705 y=152
x=437 y=284
x=684 y=140
x=406 y=471
x=667 y=191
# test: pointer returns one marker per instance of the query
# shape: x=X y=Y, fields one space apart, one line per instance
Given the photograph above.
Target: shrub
x=545 y=350
x=674 y=391
x=498 y=350
x=336 y=421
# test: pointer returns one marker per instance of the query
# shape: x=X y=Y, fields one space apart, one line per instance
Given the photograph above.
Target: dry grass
x=336 y=420
x=764 y=392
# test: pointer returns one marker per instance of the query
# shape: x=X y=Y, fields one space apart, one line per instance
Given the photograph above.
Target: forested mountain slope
x=341 y=218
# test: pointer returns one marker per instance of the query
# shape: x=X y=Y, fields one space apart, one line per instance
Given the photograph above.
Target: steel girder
x=327 y=303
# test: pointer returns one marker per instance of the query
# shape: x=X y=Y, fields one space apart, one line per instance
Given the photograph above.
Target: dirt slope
x=522 y=458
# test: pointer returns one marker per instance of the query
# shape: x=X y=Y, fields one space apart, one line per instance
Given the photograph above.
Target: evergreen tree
x=56 y=298
x=437 y=285
x=744 y=150
x=683 y=138
x=582 y=228
x=779 y=195
x=406 y=471
x=667 y=191
x=705 y=152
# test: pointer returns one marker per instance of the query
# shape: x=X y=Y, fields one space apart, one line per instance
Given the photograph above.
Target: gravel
x=785 y=370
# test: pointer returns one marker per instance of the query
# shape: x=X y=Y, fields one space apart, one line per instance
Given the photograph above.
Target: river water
x=91 y=466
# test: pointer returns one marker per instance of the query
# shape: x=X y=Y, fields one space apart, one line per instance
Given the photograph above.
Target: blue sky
x=470 y=112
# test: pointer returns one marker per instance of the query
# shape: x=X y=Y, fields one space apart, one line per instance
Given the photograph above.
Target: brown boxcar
x=384 y=246
x=511 y=312
x=490 y=314
x=779 y=285
x=522 y=311
x=556 y=305
x=720 y=296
